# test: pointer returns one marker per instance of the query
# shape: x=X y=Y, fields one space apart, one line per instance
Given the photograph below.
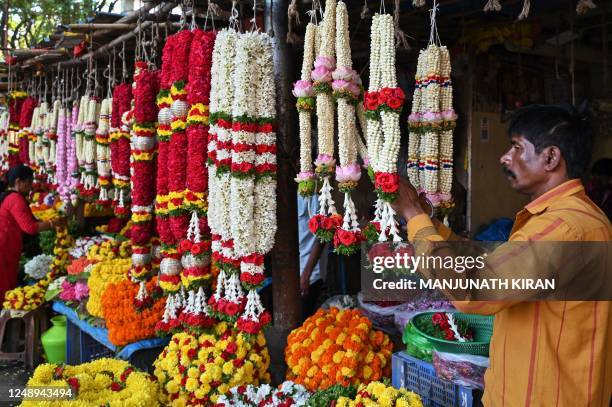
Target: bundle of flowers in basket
x=125 y=323
x=288 y=394
x=337 y=347
x=379 y=394
x=103 y=382
x=197 y=370
x=443 y=325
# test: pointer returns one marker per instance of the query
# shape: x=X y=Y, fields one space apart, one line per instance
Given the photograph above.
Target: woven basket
x=481 y=325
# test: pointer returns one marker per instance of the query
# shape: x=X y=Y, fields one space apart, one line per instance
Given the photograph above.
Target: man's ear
x=552 y=158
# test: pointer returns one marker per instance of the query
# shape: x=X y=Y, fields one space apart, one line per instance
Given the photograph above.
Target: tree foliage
x=31 y=21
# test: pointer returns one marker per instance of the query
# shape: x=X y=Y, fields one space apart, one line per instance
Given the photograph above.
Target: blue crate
x=420 y=377
x=92 y=349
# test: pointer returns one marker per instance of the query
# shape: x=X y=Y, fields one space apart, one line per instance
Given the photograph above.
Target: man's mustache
x=508 y=172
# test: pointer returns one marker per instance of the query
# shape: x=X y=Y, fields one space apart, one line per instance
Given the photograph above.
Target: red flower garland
x=120 y=147
x=25 y=120
x=143 y=168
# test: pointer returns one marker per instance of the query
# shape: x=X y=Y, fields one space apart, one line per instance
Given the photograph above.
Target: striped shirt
x=545 y=353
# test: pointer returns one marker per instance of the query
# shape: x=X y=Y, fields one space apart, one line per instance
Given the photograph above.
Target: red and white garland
x=383 y=103
x=119 y=139
x=143 y=148
x=103 y=153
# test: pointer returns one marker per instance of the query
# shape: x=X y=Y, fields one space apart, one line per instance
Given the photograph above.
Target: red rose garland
x=177 y=157
x=15 y=105
x=25 y=120
x=120 y=148
x=143 y=172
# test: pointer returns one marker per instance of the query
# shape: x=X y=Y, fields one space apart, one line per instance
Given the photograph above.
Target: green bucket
x=482 y=326
x=54 y=340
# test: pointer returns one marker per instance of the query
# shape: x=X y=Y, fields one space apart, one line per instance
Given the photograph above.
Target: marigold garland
x=125 y=324
x=120 y=148
x=196 y=370
x=103 y=381
x=103 y=274
x=337 y=347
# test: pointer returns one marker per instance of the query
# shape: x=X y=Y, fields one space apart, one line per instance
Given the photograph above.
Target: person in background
x=16 y=218
x=543 y=353
x=313 y=255
x=599 y=188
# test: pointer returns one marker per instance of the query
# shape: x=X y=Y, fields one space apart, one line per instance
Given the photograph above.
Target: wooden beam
x=98 y=26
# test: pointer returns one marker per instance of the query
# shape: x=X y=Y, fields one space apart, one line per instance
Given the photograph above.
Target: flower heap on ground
x=119 y=140
x=379 y=394
x=197 y=370
x=431 y=123
x=25 y=121
x=347 y=92
x=337 y=347
x=327 y=219
x=104 y=381
x=252 y=182
x=16 y=101
x=143 y=149
x=288 y=394
x=195 y=246
x=304 y=92
x=220 y=161
x=383 y=103
x=125 y=323
x=87 y=186
x=103 y=165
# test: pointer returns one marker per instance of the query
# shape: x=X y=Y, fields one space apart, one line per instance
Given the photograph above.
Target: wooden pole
x=285 y=265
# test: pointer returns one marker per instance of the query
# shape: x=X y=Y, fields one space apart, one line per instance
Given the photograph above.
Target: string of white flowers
x=89 y=144
x=32 y=143
x=103 y=150
x=446 y=135
x=414 y=140
x=373 y=128
x=304 y=92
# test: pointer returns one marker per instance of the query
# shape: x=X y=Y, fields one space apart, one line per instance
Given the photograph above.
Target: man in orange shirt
x=543 y=353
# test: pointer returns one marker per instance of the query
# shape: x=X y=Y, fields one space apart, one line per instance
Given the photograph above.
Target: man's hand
x=409 y=204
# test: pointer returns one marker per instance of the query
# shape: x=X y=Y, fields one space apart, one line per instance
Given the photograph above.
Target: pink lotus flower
x=343 y=73
x=329 y=63
x=449 y=115
x=321 y=74
x=324 y=159
x=414 y=117
x=303 y=89
x=351 y=172
x=432 y=117
x=354 y=89
x=340 y=85
x=305 y=176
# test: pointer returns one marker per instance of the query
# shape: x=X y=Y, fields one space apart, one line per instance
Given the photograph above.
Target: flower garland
x=103 y=274
x=195 y=249
x=288 y=394
x=197 y=370
x=337 y=347
x=379 y=394
x=4 y=143
x=100 y=382
x=38 y=266
x=50 y=142
x=119 y=139
x=87 y=186
x=25 y=120
x=325 y=65
x=25 y=298
x=431 y=123
x=61 y=250
x=61 y=175
x=347 y=91
x=219 y=163
x=124 y=322
x=16 y=101
x=304 y=92
x=103 y=153
x=383 y=103
x=143 y=149
x=177 y=153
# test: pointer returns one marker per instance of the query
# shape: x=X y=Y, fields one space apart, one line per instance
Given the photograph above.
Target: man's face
x=524 y=167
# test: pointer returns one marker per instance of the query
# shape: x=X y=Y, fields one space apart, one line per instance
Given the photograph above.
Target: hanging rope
x=293 y=20
x=212 y=11
x=234 y=19
x=492 y=5
x=312 y=13
x=401 y=39
x=418 y=3
x=254 y=19
x=434 y=38
x=584 y=6
x=365 y=11
x=193 y=24
x=124 y=72
x=525 y=11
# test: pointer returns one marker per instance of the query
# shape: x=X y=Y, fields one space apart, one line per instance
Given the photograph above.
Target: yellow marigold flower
x=338 y=356
x=191 y=384
x=312 y=371
x=228 y=367
x=172 y=387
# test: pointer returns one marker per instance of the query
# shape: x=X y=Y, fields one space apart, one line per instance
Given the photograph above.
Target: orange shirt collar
x=568 y=188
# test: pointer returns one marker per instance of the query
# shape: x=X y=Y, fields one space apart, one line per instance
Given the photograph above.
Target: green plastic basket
x=482 y=326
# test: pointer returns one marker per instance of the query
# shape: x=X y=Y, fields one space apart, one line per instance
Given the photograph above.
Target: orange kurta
x=545 y=353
